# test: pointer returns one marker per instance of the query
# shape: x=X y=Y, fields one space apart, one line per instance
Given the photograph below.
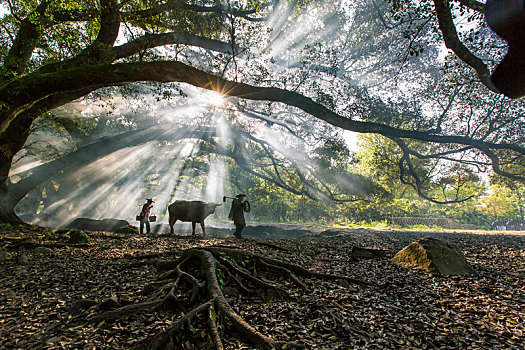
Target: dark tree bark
x=11 y=141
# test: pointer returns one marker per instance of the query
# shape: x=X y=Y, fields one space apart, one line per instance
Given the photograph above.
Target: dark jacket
x=237 y=212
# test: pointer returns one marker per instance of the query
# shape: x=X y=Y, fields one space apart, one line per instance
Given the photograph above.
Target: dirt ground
x=41 y=300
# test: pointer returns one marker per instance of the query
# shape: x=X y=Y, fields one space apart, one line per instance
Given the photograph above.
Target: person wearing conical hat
x=239 y=206
x=144 y=216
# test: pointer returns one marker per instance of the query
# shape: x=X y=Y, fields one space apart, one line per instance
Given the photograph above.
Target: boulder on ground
x=23 y=259
x=433 y=255
x=109 y=304
x=107 y=225
x=4 y=255
x=78 y=237
x=43 y=251
x=367 y=253
x=129 y=229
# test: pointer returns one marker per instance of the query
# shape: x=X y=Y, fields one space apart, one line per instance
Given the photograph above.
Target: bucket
x=152 y=218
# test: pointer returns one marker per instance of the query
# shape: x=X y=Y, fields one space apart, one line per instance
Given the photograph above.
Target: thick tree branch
x=154 y=40
x=38 y=86
x=100 y=50
x=451 y=39
x=109 y=23
x=60 y=16
x=24 y=44
x=171 y=5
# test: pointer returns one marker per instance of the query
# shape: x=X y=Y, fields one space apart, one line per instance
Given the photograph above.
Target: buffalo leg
x=203 y=230
x=193 y=224
x=172 y=222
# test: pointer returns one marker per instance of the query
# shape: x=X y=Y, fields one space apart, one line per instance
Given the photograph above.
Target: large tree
x=54 y=52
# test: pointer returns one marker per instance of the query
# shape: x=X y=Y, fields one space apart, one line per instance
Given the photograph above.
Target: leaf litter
x=49 y=302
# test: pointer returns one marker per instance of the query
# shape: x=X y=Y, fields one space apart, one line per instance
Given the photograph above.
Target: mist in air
x=195 y=137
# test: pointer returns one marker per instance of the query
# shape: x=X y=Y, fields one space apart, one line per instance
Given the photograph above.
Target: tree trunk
x=7 y=209
x=11 y=141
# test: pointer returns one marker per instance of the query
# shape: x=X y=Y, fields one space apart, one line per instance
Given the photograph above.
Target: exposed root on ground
x=193 y=287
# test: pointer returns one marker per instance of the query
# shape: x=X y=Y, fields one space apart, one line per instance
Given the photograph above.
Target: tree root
x=193 y=287
x=296 y=269
x=284 y=271
x=113 y=315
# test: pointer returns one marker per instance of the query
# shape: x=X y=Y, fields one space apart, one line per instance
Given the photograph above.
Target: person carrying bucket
x=144 y=216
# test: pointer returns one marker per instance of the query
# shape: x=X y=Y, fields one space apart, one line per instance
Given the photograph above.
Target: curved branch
x=154 y=40
x=13 y=12
x=496 y=166
x=418 y=185
x=39 y=86
x=452 y=42
x=60 y=16
x=252 y=113
x=99 y=51
x=24 y=44
x=249 y=169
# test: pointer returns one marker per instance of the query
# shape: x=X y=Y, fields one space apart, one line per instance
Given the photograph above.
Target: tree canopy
x=373 y=67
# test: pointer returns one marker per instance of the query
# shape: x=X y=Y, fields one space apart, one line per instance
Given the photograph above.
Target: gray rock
x=23 y=259
x=43 y=251
x=107 y=225
x=78 y=237
x=5 y=255
x=433 y=255
x=81 y=304
x=109 y=304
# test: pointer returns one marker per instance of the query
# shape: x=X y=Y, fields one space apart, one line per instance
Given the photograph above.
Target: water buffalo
x=194 y=211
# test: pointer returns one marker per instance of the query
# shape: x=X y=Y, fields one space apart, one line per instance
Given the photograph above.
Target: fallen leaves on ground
x=408 y=309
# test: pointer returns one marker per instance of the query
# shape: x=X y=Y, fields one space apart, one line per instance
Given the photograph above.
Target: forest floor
x=41 y=299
